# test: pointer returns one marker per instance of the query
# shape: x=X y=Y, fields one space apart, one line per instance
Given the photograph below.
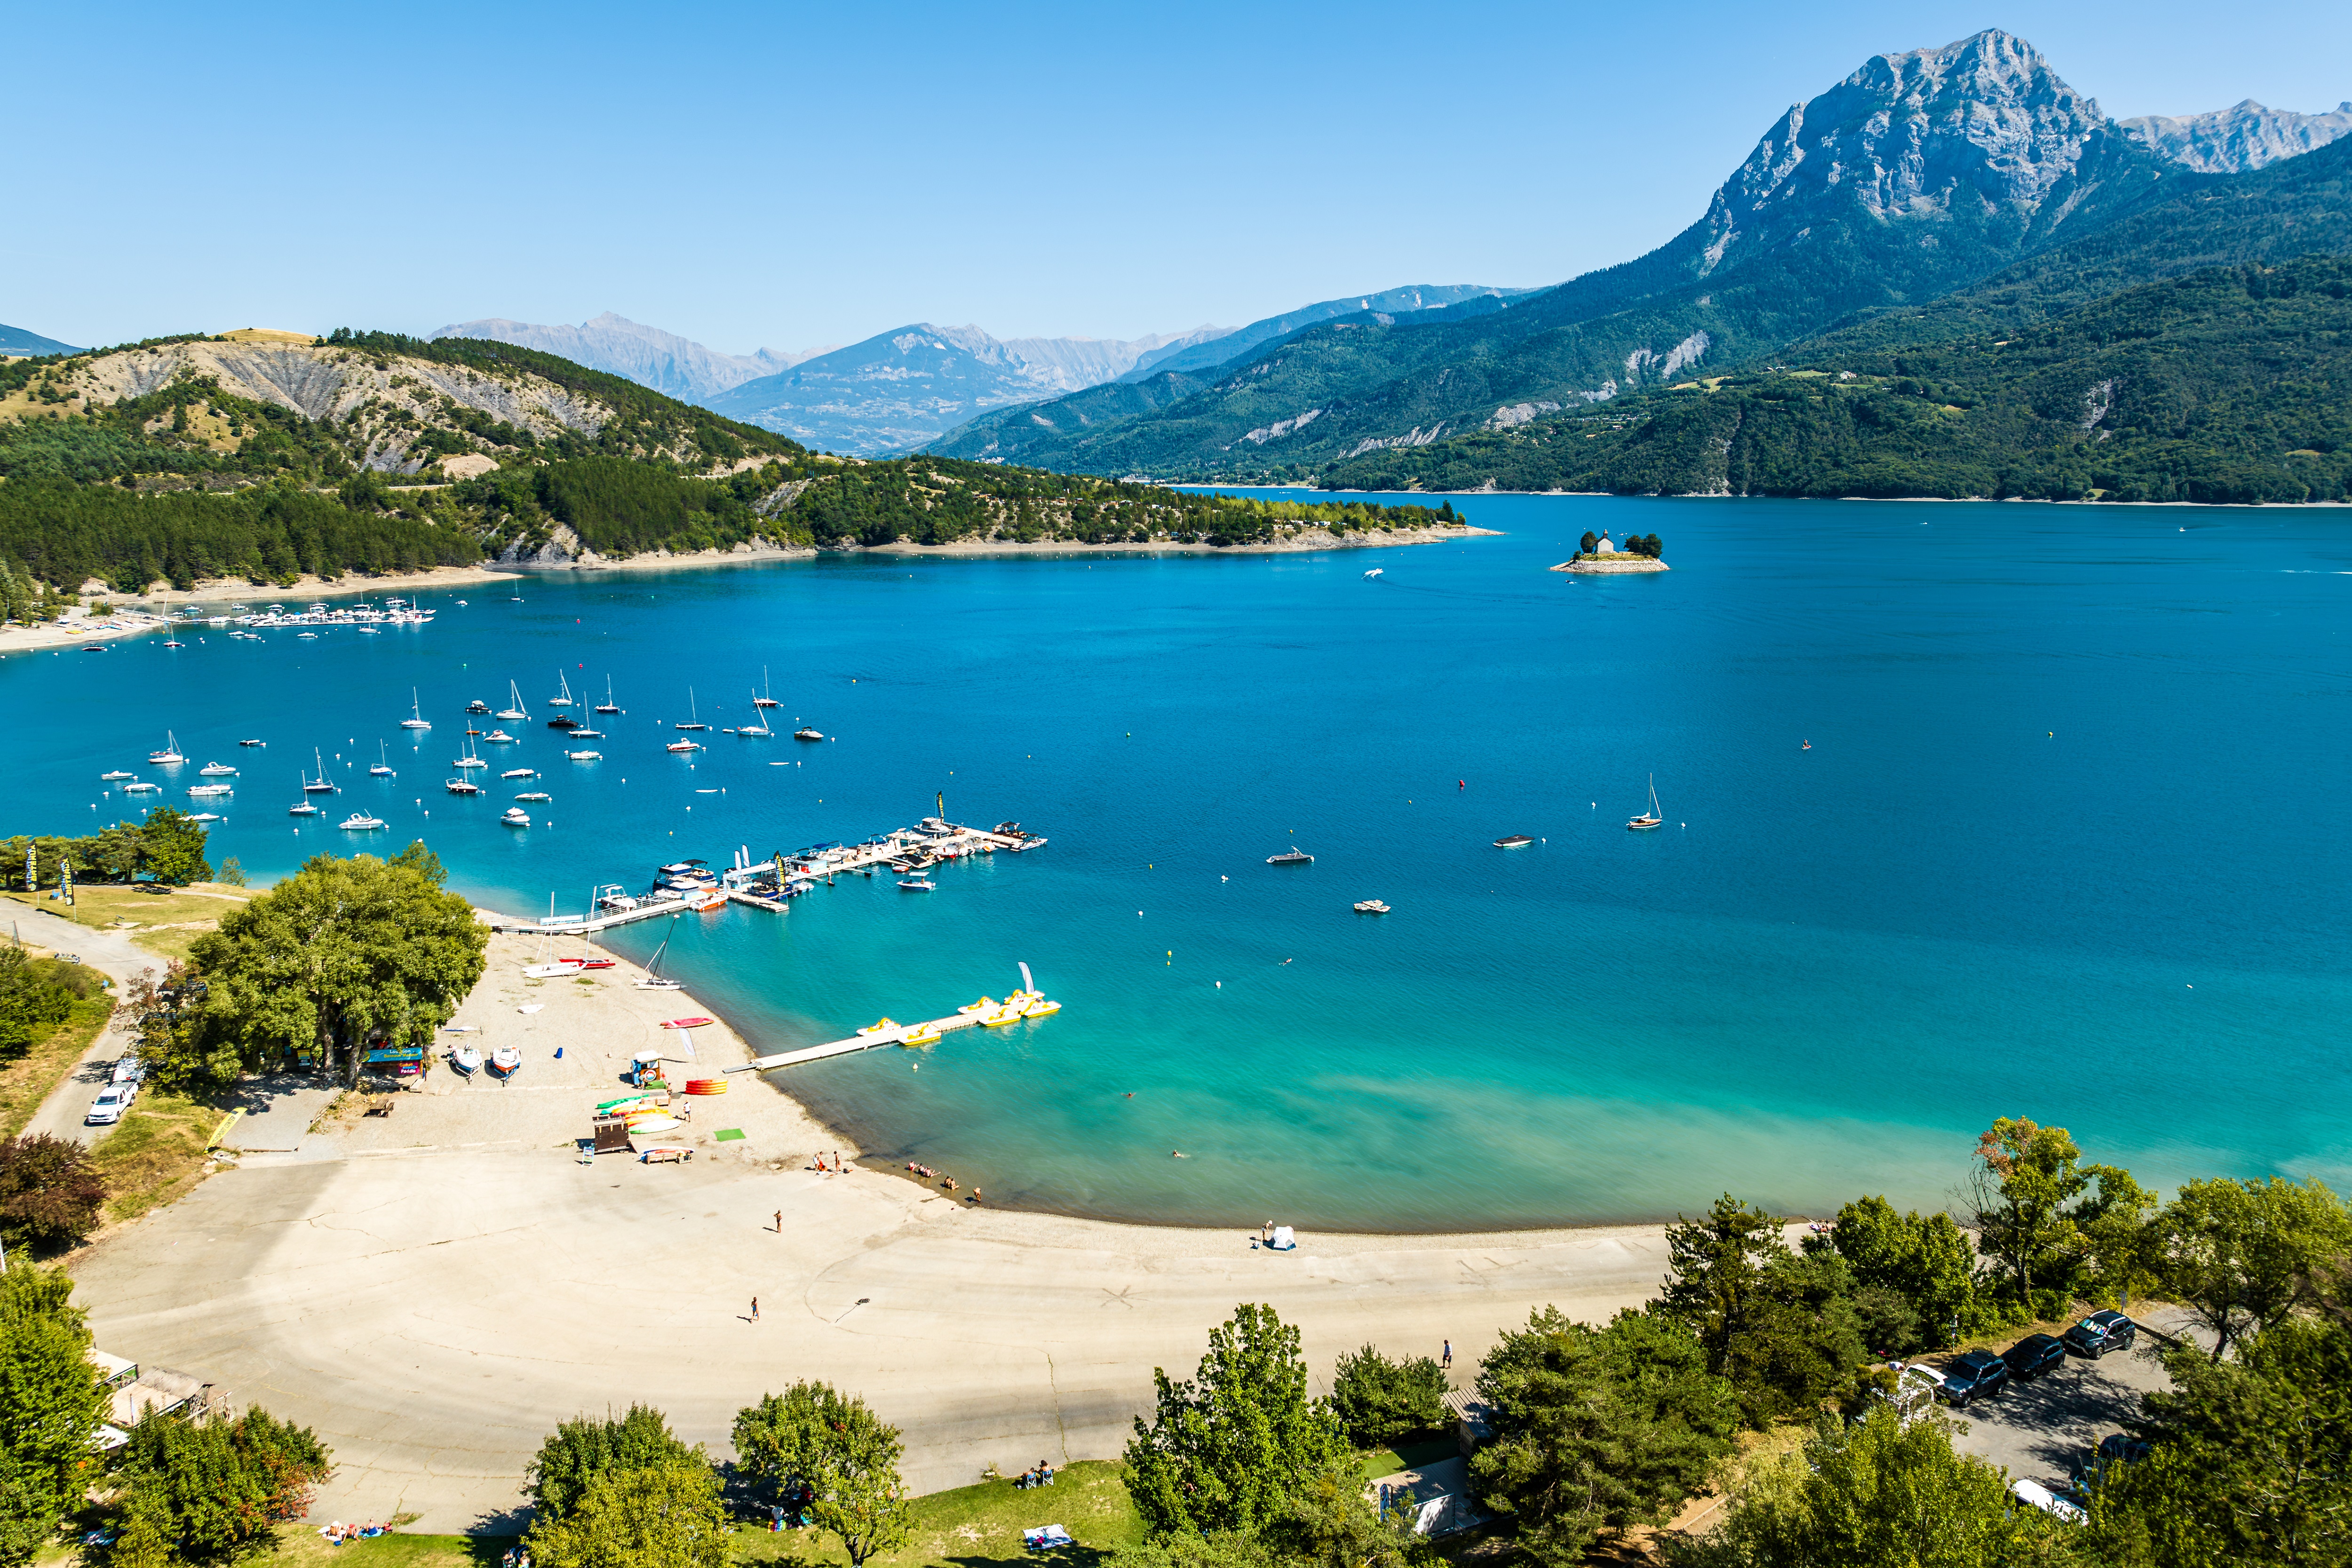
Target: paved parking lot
x=2037 y=1430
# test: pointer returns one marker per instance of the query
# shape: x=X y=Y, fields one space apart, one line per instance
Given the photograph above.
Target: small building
x=1604 y=547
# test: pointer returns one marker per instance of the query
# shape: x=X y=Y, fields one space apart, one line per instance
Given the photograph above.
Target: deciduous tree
x=837 y=1447
x=1229 y=1448
x=1377 y=1400
x=1781 y=1327
x=221 y=1487
x=2025 y=1177
x=51 y=1405
x=578 y=1452
x=666 y=1516
x=2241 y=1254
x=50 y=1192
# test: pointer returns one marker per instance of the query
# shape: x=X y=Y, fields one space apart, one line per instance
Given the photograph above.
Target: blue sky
x=786 y=175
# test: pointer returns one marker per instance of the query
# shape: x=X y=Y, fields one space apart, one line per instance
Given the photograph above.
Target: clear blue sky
x=785 y=176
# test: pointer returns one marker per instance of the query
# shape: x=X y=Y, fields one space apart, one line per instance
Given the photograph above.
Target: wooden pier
x=644 y=911
x=893 y=1035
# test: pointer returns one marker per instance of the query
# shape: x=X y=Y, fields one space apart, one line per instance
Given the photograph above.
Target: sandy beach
x=434 y=1289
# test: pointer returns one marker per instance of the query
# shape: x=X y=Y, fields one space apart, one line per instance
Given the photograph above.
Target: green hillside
x=2226 y=384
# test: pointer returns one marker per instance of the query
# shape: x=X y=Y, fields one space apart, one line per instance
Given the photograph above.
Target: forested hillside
x=2230 y=384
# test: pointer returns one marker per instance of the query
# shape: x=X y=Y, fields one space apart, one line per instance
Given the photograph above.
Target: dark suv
x=2114 y=1448
x=2100 y=1332
x=1973 y=1376
x=2035 y=1354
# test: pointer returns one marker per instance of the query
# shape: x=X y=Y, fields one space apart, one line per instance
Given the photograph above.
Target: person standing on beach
x=780 y=1222
x=755 y=1309
x=1447 y=1358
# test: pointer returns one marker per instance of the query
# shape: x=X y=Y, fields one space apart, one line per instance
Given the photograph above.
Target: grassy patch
x=27 y=1080
x=302 y=1545
x=1388 y=1462
x=155 y=1154
x=103 y=906
x=972 y=1527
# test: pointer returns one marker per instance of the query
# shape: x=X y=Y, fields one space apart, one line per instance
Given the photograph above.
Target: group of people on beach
x=947 y=1184
x=1042 y=1476
x=339 y=1533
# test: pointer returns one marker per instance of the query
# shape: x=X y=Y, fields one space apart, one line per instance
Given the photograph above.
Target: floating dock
x=891 y=1037
x=574 y=925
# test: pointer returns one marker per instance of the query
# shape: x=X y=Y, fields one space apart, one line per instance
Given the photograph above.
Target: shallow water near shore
x=2070 y=842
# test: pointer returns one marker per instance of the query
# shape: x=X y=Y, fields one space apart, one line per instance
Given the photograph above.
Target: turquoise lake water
x=2070 y=842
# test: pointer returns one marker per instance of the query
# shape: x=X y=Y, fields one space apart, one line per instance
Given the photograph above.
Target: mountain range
x=17 y=341
x=1922 y=174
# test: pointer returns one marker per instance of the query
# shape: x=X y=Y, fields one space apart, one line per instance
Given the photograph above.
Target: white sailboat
x=468 y=759
x=692 y=712
x=563 y=696
x=759 y=726
x=417 y=718
x=763 y=700
x=1650 y=818
x=322 y=785
x=514 y=696
x=383 y=768
x=170 y=753
x=608 y=705
x=302 y=807
x=653 y=980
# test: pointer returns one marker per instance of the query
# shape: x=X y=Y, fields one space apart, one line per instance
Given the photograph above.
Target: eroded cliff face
x=1983 y=127
x=2243 y=137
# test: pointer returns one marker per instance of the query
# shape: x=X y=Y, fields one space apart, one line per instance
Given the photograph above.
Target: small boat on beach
x=687 y=1023
x=466 y=1060
x=1650 y=818
x=1291 y=857
x=1513 y=841
x=505 y=1062
x=653 y=980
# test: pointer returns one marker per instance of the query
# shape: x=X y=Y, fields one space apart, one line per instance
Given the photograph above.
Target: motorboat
x=477 y=706
x=462 y=785
x=1371 y=906
x=1373 y=573
x=202 y=790
x=253 y=742
x=361 y=822
x=692 y=713
x=417 y=718
x=169 y=754
x=117 y=774
x=142 y=788
x=534 y=795
x=322 y=785
x=171 y=644
x=207 y=816
x=466 y=1060
x=681 y=868
x=562 y=699
x=520 y=773
x=1650 y=818
x=761 y=699
x=683 y=746
x=505 y=1062
x=515 y=816
x=917 y=885
x=514 y=699
x=498 y=737
x=584 y=733
x=608 y=705
x=215 y=770
x=1291 y=857
x=808 y=732
x=611 y=896
x=585 y=756
x=302 y=808
x=563 y=721
x=1513 y=841
x=706 y=900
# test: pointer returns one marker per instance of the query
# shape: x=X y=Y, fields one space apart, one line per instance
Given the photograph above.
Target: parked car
x=130 y=1069
x=1916 y=1388
x=1974 y=1375
x=2049 y=1502
x=2035 y=1354
x=2115 y=1448
x=111 y=1102
x=2100 y=1332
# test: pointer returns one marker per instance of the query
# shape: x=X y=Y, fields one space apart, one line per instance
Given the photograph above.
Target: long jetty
x=896 y=1034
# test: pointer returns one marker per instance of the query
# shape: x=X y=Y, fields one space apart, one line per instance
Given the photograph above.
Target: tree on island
x=1589 y=543
x=1229 y=1450
x=340 y=954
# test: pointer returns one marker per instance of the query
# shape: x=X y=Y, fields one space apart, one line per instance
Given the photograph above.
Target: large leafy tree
x=50 y=1406
x=847 y=1456
x=667 y=1515
x=2240 y=1254
x=2025 y=1180
x=171 y=848
x=37 y=994
x=1377 y=1400
x=1927 y=1262
x=579 y=1452
x=50 y=1192
x=1597 y=1428
x=340 y=954
x=1876 y=1493
x=1229 y=1448
x=217 y=1489
x=1780 y=1326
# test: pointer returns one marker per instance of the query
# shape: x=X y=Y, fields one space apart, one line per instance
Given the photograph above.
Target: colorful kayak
x=687 y=1023
x=655 y=1124
x=706 y=1086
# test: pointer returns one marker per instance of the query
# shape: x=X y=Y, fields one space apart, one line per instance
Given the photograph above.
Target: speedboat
x=215 y=770
x=302 y=808
x=118 y=774
x=477 y=706
x=201 y=790
x=498 y=737
x=169 y=644
x=142 y=788
x=1291 y=857
x=466 y=1060
x=505 y=1062
x=706 y=900
x=1513 y=841
x=808 y=732
x=169 y=754
x=534 y=795
x=682 y=746
x=1373 y=573
x=462 y=785
x=563 y=721
x=253 y=742
x=917 y=885
x=520 y=773
x=1371 y=906
x=361 y=822
x=585 y=756
x=207 y=816
x=515 y=816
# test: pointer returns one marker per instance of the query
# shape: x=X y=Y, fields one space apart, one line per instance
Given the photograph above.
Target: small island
x=1640 y=552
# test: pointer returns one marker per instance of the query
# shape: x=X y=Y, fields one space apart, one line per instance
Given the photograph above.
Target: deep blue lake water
x=2071 y=841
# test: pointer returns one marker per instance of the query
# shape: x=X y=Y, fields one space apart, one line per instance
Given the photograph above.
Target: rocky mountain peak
x=2243 y=137
x=1983 y=120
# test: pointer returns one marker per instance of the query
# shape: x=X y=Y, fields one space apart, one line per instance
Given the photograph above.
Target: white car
x=111 y=1102
x=2041 y=1497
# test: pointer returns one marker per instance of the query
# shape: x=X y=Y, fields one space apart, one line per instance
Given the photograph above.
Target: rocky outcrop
x=2234 y=140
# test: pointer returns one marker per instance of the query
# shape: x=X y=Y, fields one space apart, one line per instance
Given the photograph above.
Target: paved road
x=112 y=953
x=2037 y=1430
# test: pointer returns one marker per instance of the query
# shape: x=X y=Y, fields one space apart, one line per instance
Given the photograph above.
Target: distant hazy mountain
x=2233 y=141
x=1207 y=352
x=675 y=366
x=910 y=385
x=17 y=341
